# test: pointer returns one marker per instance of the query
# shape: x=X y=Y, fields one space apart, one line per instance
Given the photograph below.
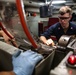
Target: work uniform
x=58 y=31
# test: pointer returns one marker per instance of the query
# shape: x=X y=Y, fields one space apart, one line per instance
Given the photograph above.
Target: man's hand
x=47 y=42
x=50 y=42
x=24 y=63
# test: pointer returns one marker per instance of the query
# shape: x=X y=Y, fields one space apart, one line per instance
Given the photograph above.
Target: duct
x=38 y=3
x=33 y=5
x=32 y=10
x=56 y=3
x=69 y=4
x=11 y=1
x=27 y=3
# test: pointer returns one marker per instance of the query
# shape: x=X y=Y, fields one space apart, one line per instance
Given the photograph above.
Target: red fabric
x=52 y=21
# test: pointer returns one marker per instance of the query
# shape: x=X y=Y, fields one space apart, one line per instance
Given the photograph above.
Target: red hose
x=9 y=35
x=23 y=22
x=3 y=28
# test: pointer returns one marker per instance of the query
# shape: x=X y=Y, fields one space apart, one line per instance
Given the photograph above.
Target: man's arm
x=43 y=39
x=47 y=42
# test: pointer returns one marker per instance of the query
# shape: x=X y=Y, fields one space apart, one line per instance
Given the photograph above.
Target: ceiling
x=33 y=5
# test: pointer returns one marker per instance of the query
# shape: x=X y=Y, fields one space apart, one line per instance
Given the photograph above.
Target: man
x=24 y=63
x=63 y=27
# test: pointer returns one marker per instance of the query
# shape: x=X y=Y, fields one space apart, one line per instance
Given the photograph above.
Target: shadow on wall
x=73 y=17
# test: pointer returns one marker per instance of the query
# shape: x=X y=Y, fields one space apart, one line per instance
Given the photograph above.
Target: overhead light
x=56 y=2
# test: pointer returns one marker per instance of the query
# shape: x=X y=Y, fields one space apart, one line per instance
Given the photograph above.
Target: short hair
x=65 y=9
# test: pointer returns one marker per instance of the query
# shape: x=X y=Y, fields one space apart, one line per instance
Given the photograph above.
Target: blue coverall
x=58 y=31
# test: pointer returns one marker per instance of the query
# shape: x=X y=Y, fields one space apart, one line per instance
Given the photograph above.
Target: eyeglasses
x=64 y=18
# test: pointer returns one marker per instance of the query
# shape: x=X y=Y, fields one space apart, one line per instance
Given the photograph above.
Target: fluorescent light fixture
x=56 y=2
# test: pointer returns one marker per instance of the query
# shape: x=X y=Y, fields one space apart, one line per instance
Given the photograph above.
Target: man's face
x=64 y=20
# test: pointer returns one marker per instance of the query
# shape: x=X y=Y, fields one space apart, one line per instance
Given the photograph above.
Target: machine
x=14 y=20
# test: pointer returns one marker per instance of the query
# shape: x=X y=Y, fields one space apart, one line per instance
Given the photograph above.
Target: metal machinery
x=64 y=67
x=16 y=23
